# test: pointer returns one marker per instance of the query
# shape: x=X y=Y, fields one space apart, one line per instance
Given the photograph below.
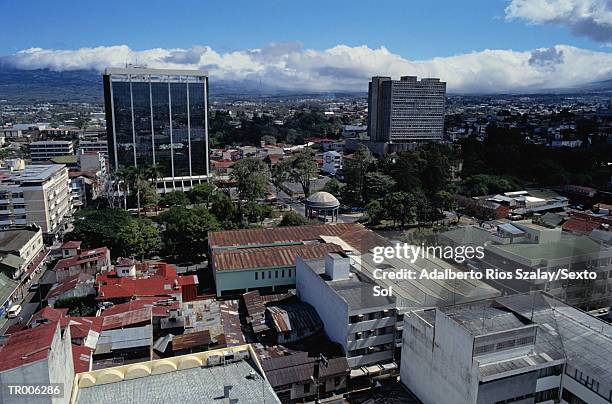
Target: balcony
x=371 y=324
x=370 y=341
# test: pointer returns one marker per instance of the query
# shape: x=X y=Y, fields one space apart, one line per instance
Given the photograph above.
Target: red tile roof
x=126 y=318
x=50 y=314
x=159 y=306
x=27 y=346
x=80 y=326
x=75 y=244
x=126 y=287
x=580 y=226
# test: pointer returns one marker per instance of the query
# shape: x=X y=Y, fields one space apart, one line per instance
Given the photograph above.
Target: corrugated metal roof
x=251 y=237
x=191 y=340
x=269 y=257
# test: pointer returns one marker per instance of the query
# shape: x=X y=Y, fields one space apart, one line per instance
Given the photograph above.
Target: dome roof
x=322 y=200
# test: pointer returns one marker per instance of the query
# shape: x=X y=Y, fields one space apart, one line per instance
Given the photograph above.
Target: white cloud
x=344 y=68
x=590 y=18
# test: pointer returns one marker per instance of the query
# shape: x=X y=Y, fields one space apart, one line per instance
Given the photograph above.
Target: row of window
x=371 y=316
x=276 y=274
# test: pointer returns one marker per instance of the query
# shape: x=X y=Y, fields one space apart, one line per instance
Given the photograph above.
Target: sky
x=474 y=45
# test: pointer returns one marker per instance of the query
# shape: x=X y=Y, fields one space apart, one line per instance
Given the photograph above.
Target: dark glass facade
x=158 y=117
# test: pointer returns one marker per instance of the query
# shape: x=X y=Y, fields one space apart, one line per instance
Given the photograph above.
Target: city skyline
x=486 y=47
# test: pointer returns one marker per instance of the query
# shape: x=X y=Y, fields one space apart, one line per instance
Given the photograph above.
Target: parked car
x=13 y=311
x=34 y=287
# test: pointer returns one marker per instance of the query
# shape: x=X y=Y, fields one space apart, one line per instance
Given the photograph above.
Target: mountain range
x=29 y=86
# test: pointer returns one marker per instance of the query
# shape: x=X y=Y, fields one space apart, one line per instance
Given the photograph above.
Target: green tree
x=255 y=212
x=268 y=139
x=202 y=194
x=294 y=219
x=334 y=187
x=251 y=176
x=185 y=232
x=377 y=185
x=301 y=168
x=375 y=211
x=97 y=228
x=140 y=238
x=400 y=207
x=224 y=209
x=355 y=170
x=175 y=198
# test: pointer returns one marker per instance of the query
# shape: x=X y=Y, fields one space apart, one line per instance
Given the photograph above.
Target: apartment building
x=44 y=150
x=100 y=146
x=528 y=348
x=406 y=110
x=19 y=249
x=38 y=194
x=352 y=315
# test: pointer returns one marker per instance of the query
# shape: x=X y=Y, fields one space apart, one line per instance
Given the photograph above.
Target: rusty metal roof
x=276 y=235
x=269 y=257
x=294 y=316
x=191 y=340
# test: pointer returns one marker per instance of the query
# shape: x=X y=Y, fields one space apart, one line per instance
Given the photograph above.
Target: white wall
x=332 y=309
x=438 y=366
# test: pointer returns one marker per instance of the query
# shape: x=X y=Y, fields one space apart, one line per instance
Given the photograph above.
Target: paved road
x=29 y=303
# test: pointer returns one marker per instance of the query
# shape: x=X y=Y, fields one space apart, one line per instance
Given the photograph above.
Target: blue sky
x=474 y=45
x=416 y=30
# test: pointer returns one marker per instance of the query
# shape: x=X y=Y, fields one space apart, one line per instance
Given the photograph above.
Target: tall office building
x=405 y=110
x=158 y=116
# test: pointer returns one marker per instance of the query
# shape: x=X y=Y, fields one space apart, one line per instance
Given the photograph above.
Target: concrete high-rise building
x=406 y=110
x=158 y=116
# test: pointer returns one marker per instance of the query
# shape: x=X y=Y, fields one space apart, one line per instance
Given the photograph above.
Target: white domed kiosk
x=323 y=204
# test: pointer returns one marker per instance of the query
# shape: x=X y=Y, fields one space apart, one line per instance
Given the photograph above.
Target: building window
x=276 y=274
x=283 y=273
x=289 y=273
x=263 y=275
x=269 y=274
x=307 y=388
x=256 y=275
x=337 y=381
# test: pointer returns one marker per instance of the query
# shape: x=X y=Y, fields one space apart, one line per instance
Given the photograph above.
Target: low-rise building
x=19 y=250
x=264 y=259
x=229 y=374
x=332 y=162
x=45 y=150
x=79 y=285
x=298 y=376
x=84 y=261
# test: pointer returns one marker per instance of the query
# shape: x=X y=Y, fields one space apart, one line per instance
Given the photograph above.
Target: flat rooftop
x=36 y=172
x=568 y=246
x=13 y=240
x=358 y=293
x=422 y=292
